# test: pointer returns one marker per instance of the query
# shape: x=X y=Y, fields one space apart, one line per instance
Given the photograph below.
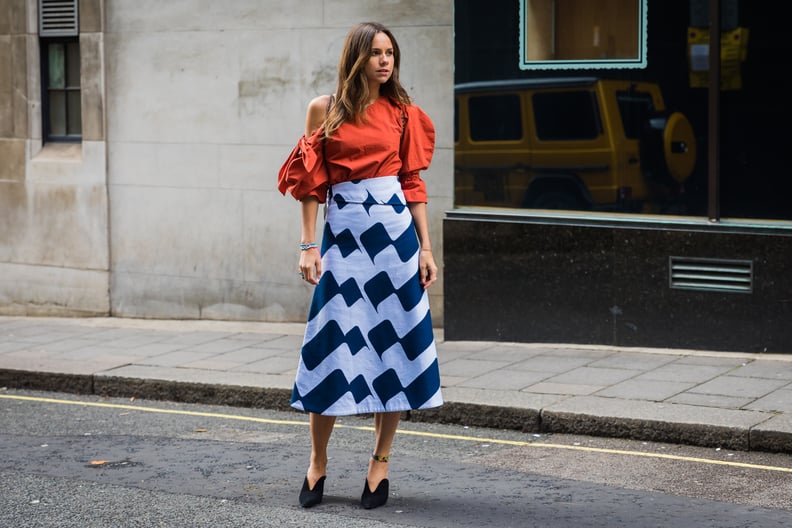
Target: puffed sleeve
x=303 y=173
x=417 y=148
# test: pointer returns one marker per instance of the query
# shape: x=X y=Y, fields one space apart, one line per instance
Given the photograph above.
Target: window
x=60 y=70
x=580 y=34
x=687 y=143
x=495 y=118
x=61 y=89
x=566 y=116
x=636 y=109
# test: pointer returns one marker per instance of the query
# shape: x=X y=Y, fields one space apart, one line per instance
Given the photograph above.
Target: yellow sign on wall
x=734 y=49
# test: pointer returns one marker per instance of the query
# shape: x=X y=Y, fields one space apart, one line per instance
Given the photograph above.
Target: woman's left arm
x=428 y=268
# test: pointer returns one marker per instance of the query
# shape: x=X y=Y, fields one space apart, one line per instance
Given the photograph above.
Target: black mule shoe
x=376 y=498
x=311 y=497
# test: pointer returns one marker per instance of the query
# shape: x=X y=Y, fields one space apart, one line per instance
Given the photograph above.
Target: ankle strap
x=380 y=458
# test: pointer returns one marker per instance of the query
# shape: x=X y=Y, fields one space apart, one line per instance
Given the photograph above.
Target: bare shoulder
x=319 y=103
x=315 y=115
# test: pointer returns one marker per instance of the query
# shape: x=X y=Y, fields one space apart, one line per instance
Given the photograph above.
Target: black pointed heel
x=311 y=497
x=376 y=498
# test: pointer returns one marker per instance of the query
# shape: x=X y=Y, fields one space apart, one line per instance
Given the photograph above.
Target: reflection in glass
x=582 y=34
x=74 y=114
x=495 y=117
x=57 y=113
x=576 y=143
x=57 y=65
x=661 y=109
x=73 y=65
x=566 y=116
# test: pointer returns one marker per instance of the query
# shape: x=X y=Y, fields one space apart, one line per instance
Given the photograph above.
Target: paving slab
x=664 y=422
x=708 y=398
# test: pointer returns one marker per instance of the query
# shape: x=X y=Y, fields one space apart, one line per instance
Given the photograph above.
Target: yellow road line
x=152 y=409
x=462 y=438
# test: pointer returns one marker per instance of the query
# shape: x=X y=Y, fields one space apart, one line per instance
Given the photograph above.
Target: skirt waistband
x=382 y=190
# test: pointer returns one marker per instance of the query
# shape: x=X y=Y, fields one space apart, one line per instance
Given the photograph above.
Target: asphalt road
x=70 y=461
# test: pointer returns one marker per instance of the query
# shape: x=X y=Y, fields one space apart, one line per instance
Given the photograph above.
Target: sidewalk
x=717 y=399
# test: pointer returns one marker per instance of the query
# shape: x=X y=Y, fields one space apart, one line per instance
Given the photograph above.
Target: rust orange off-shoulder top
x=375 y=147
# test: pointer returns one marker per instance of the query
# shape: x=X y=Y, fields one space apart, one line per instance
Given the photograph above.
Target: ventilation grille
x=58 y=18
x=701 y=274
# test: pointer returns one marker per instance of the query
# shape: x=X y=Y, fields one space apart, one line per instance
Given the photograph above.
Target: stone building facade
x=167 y=207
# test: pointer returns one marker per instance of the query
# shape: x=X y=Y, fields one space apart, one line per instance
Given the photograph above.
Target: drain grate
x=705 y=274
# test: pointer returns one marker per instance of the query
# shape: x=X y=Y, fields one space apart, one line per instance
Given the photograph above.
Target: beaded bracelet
x=309 y=245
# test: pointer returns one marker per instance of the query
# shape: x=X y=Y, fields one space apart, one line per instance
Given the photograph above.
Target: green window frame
x=542 y=29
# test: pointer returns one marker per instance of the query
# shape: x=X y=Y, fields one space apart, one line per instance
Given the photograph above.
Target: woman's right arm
x=310 y=259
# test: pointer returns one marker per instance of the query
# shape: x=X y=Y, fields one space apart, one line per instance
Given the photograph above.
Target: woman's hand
x=426 y=263
x=310 y=259
x=310 y=265
x=428 y=268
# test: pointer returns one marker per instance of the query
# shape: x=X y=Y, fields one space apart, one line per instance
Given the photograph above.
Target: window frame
x=47 y=135
x=637 y=62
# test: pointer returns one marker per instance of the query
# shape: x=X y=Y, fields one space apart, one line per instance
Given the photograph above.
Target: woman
x=369 y=345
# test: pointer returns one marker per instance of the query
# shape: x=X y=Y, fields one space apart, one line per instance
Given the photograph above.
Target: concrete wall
x=53 y=197
x=204 y=100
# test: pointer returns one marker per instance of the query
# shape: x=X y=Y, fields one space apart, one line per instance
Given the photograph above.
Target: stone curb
x=458 y=413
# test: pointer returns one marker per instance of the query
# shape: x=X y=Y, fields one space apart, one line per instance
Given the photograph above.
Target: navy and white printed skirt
x=369 y=345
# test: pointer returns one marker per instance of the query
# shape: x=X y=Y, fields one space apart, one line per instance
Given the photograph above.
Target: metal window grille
x=704 y=274
x=58 y=18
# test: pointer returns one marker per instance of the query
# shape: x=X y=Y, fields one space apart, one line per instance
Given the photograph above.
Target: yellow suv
x=569 y=143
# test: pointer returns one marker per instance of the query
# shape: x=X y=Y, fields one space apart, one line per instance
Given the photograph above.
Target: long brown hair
x=352 y=90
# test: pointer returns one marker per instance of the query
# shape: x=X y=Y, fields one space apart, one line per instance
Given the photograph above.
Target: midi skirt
x=368 y=345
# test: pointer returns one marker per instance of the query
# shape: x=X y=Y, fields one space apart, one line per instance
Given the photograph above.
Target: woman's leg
x=385 y=425
x=321 y=429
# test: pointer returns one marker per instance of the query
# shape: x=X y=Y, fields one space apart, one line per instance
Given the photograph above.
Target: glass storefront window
x=605 y=105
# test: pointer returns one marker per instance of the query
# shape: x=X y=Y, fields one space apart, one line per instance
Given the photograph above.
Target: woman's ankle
x=377 y=469
x=316 y=470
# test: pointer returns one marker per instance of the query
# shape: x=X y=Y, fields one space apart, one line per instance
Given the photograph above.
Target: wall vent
x=704 y=274
x=58 y=18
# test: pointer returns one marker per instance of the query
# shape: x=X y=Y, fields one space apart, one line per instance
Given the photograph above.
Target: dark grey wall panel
x=589 y=280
